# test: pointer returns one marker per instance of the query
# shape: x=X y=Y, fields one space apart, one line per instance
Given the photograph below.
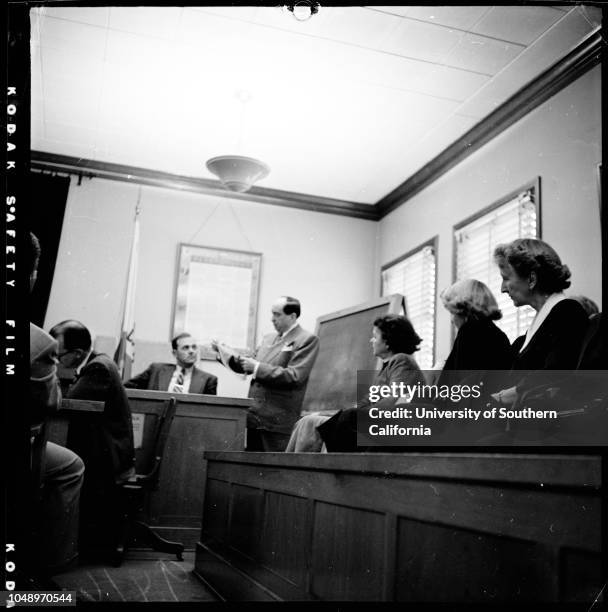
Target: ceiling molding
x=559 y=75
x=79 y=166
x=582 y=58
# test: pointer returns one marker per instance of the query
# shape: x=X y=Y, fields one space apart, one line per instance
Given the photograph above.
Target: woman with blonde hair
x=479 y=344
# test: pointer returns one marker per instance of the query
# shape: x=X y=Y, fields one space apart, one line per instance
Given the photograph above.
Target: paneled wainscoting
x=425 y=527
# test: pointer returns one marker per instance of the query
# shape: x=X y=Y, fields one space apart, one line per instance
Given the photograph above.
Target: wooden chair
x=133 y=496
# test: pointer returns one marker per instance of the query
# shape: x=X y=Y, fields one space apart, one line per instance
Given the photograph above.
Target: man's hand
x=247 y=364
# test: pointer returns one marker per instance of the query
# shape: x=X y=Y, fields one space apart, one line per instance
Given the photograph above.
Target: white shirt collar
x=541 y=315
x=83 y=362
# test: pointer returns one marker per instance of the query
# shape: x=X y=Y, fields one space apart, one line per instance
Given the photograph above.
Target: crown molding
x=583 y=57
x=89 y=168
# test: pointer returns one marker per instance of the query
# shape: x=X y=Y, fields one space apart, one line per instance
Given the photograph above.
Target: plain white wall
x=327 y=261
x=560 y=141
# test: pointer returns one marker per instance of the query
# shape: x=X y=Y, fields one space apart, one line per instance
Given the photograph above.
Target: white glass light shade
x=236 y=172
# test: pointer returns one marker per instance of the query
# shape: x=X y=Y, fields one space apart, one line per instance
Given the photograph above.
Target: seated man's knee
x=62 y=465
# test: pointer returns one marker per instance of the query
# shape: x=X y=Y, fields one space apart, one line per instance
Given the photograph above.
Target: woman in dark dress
x=480 y=358
x=533 y=274
x=480 y=347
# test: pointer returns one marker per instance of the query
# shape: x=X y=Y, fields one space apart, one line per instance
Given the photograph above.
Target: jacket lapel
x=164 y=377
x=196 y=381
x=270 y=351
x=277 y=346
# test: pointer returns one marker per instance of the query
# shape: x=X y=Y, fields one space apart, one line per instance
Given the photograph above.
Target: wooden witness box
x=201 y=423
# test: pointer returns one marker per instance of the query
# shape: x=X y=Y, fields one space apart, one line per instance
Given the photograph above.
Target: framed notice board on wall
x=216 y=296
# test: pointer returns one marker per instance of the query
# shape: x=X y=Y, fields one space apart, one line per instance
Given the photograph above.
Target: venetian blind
x=475 y=243
x=414 y=277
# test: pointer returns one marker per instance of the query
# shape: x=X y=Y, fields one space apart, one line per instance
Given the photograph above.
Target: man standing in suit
x=184 y=377
x=103 y=441
x=280 y=367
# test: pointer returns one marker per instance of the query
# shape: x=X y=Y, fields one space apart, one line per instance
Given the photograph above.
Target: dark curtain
x=47 y=199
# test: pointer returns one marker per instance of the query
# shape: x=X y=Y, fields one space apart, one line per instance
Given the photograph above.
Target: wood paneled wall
x=412 y=527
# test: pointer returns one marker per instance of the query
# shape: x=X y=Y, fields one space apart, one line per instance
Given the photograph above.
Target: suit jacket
x=556 y=345
x=280 y=383
x=105 y=444
x=44 y=391
x=158 y=376
x=340 y=431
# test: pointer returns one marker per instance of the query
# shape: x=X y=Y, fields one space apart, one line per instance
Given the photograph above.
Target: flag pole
x=125 y=351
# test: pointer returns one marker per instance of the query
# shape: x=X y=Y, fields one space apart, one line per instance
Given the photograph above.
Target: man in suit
x=280 y=367
x=56 y=536
x=104 y=441
x=183 y=377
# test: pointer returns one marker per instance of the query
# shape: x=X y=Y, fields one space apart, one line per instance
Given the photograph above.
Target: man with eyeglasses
x=103 y=441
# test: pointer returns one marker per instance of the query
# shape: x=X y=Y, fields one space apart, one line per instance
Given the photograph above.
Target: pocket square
x=287 y=347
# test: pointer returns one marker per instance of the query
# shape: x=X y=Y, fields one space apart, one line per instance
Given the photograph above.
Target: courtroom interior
x=244 y=207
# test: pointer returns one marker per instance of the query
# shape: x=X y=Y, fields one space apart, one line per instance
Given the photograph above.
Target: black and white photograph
x=314 y=301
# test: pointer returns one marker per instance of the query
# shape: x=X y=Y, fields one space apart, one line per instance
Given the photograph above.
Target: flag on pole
x=125 y=351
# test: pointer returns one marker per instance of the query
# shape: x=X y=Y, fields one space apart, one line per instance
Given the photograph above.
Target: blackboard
x=345 y=348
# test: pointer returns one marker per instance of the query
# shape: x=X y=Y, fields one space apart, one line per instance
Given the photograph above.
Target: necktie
x=178 y=387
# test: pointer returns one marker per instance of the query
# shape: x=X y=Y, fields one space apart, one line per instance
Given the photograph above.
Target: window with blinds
x=414 y=277
x=475 y=242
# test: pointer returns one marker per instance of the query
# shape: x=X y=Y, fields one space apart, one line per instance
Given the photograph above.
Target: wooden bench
x=416 y=527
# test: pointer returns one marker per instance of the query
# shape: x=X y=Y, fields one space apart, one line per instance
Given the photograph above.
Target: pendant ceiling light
x=236 y=172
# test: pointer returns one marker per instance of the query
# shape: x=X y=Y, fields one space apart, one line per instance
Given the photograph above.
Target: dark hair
x=292 y=305
x=75 y=334
x=591 y=308
x=398 y=333
x=527 y=255
x=33 y=253
x=175 y=340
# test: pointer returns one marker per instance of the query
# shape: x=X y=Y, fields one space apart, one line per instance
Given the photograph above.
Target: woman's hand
x=505 y=397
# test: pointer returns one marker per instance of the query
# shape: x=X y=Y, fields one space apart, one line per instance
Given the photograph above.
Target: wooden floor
x=143 y=577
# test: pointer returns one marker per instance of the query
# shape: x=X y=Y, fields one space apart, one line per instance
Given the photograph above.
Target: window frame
x=434 y=243
x=534 y=185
